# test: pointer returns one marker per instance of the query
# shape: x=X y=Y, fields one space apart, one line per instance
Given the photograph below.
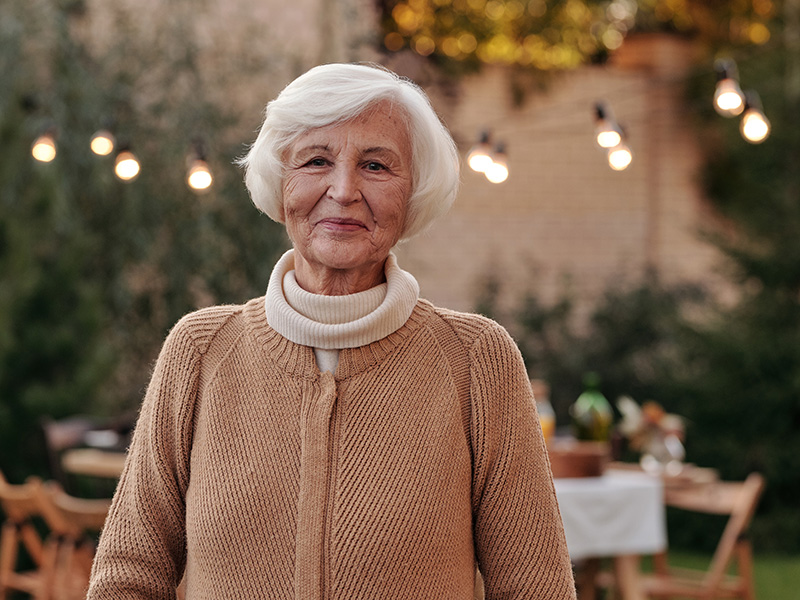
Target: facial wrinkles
x=346 y=165
x=346 y=190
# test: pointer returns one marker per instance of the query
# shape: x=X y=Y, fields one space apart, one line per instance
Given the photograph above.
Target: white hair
x=335 y=93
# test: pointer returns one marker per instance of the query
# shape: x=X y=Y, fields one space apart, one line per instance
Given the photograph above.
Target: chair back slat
x=20 y=506
x=63 y=559
x=69 y=516
x=744 y=506
x=71 y=521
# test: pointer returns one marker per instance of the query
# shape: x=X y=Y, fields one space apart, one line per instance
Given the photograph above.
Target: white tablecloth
x=616 y=514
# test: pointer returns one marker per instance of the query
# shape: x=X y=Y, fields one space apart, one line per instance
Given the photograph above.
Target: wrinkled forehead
x=383 y=124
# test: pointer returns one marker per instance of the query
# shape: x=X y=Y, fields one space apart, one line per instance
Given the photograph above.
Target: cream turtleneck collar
x=336 y=322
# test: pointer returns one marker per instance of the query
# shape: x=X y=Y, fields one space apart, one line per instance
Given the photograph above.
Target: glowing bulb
x=608 y=137
x=479 y=159
x=127 y=166
x=480 y=156
x=199 y=177
x=607 y=132
x=497 y=171
x=44 y=148
x=728 y=98
x=102 y=143
x=620 y=157
x=755 y=127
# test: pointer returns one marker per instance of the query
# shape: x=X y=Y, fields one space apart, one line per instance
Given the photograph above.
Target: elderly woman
x=339 y=437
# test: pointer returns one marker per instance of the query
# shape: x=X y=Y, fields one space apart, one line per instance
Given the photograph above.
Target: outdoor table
x=619 y=515
x=93 y=462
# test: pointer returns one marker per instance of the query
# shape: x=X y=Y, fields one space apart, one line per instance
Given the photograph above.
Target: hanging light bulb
x=755 y=126
x=126 y=165
x=607 y=132
x=610 y=135
x=199 y=176
x=620 y=157
x=728 y=96
x=608 y=138
x=102 y=143
x=198 y=173
x=43 y=148
x=497 y=171
x=480 y=158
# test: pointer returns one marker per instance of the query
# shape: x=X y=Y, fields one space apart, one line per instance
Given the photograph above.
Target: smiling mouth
x=342 y=224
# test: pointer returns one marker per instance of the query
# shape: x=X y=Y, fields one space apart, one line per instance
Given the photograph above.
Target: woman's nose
x=344 y=185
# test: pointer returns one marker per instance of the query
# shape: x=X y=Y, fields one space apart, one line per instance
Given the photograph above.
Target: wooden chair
x=20 y=505
x=737 y=499
x=61 y=435
x=70 y=545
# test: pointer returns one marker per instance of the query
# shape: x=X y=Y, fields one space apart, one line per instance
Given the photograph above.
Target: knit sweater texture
x=254 y=475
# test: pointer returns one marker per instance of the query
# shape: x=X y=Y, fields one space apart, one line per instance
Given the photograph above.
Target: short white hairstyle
x=335 y=93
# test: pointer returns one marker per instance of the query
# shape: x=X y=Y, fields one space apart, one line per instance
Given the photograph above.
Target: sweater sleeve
x=519 y=536
x=141 y=553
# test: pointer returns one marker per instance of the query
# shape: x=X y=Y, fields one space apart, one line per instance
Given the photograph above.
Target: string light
x=754 y=126
x=199 y=176
x=492 y=163
x=620 y=157
x=610 y=136
x=729 y=99
x=126 y=165
x=497 y=171
x=43 y=148
x=480 y=156
x=102 y=143
x=198 y=173
x=607 y=132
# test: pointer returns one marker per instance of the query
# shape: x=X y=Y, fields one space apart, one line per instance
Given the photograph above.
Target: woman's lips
x=340 y=224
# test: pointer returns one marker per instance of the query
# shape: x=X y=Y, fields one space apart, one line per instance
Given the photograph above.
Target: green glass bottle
x=591 y=413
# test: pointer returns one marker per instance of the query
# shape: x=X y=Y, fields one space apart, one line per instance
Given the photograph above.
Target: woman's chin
x=353 y=255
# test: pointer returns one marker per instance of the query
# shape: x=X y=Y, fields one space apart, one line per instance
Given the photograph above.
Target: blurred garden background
x=94 y=270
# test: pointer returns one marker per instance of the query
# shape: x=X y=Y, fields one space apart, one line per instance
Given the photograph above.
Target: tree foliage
x=94 y=271
x=543 y=35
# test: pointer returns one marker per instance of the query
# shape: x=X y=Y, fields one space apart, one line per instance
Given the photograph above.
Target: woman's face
x=345 y=193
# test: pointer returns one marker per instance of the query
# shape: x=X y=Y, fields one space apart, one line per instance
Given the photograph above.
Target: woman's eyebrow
x=313 y=148
x=379 y=150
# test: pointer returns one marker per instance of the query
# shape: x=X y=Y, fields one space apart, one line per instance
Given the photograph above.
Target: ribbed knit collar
x=336 y=322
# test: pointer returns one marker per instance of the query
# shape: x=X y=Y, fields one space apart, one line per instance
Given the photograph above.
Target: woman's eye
x=375 y=166
x=316 y=162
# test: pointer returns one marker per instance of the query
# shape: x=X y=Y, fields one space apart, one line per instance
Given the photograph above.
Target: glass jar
x=547 y=416
x=591 y=413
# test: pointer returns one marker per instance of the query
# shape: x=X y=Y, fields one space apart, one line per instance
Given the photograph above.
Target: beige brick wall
x=563 y=213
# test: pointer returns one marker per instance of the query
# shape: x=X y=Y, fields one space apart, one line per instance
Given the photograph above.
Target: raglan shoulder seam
x=202 y=326
x=471 y=328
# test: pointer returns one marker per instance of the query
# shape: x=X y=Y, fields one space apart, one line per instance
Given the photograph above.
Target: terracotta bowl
x=573 y=458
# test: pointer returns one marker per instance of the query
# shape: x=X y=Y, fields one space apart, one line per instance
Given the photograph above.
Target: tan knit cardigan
x=253 y=475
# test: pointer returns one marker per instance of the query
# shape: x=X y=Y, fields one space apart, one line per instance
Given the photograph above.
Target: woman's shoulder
x=472 y=328
x=203 y=325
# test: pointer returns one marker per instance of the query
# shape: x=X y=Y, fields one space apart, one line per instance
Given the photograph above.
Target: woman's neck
x=323 y=280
